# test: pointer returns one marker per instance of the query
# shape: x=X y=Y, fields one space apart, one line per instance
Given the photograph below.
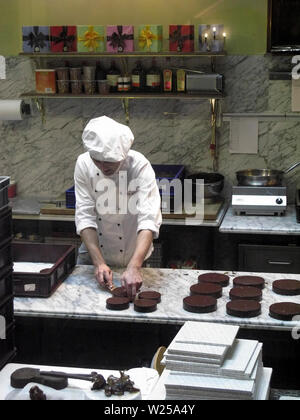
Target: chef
x=117 y=204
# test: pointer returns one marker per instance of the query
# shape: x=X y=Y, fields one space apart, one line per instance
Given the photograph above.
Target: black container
x=6 y=230
x=6 y=283
x=6 y=254
x=7 y=346
x=4 y=183
x=43 y=284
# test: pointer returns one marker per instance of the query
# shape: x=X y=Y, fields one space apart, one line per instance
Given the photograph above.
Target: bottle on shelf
x=167 y=77
x=180 y=80
x=112 y=76
x=138 y=78
x=100 y=72
x=153 y=78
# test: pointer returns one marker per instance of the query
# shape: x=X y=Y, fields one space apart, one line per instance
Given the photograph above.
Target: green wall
x=245 y=20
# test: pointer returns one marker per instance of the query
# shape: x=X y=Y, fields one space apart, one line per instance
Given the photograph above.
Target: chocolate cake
x=286 y=287
x=150 y=294
x=200 y=304
x=285 y=311
x=217 y=278
x=117 y=303
x=243 y=308
x=251 y=281
x=119 y=292
x=145 y=305
x=206 y=289
x=246 y=292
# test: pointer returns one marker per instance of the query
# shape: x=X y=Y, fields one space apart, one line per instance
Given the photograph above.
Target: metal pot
x=262 y=177
x=213 y=184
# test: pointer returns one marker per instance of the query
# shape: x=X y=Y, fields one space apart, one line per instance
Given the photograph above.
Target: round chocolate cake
x=246 y=292
x=285 y=311
x=150 y=294
x=286 y=287
x=119 y=292
x=217 y=278
x=145 y=305
x=243 y=308
x=251 y=281
x=200 y=304
x=117 y=303
x=206 y=289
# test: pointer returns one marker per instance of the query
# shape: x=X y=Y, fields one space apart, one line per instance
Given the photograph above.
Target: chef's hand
x=104 y=275
x=132 y=280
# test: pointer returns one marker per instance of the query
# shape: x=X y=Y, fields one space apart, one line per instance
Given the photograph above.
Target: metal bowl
x=260 y=178
x=213 y=183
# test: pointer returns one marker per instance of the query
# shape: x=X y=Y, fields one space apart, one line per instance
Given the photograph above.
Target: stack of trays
x=207 y=361
x=7 y=346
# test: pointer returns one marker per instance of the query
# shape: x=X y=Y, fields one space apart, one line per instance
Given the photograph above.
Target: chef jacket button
x=101 y=246
x=98 y=174
x=119 y=224
x=120 y=238
x=121 y=250
x=100 y=219
x=100 y=234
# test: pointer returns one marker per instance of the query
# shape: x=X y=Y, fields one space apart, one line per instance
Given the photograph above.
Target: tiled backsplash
x=41 y=157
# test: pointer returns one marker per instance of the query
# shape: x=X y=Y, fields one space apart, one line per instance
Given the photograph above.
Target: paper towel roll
x=12 y=110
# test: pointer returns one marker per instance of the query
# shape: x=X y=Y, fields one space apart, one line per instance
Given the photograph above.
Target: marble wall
x=41 y=156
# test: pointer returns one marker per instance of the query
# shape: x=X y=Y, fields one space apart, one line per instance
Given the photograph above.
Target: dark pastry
x=200 y=304
x=243 y=308
x=286 y=287
x=251 y=281
x=145 y=305
x=98 y=382
x=117 y=303
x=119 y=292
x=217 y=278
x=36 y=394
x=285 y=311
x=206 y=289
x=152 y=295
x=247 y=293
x=118 y=386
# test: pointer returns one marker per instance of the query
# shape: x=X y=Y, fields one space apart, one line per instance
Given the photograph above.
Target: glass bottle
x=153 y=78
x=138 y=78
x=112 y=76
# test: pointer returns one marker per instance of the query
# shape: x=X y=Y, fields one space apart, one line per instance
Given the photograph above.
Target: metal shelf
x=132 y=95
x=120 y=55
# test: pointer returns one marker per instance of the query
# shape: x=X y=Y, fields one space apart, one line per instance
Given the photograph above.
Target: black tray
x=7 y=346
x=7 y=309
x=5 y=254
x=6 y=283
x=4 y=183
x=6 y=230
x=63 y=258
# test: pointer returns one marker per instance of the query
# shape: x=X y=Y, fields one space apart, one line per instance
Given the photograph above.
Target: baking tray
x=42 y=284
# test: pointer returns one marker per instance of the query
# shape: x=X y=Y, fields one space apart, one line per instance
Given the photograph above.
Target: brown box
x=45 y=81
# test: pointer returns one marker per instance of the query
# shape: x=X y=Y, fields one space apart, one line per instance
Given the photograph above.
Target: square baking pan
x=46 y=281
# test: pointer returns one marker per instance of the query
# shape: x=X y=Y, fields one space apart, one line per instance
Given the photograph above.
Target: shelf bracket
x=215 y=110
x=125 y=104
x=40 y=105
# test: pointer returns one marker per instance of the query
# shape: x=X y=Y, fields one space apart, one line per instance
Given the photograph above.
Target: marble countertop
x=80 y=297
x=276 y=225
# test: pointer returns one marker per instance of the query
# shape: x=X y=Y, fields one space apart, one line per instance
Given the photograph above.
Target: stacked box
x=36 y=39
x=150 y=38
x=181 y=38
x=7 y=346
x=63 y=38
x=120 y=38
x=90 y=38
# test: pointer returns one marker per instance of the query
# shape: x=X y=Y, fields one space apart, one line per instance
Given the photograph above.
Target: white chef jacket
x=117 y=232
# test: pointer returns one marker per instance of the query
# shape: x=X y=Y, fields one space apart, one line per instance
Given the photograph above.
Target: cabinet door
x=269 y=259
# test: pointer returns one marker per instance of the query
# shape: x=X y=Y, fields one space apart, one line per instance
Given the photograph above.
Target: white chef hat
x=107 y=140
